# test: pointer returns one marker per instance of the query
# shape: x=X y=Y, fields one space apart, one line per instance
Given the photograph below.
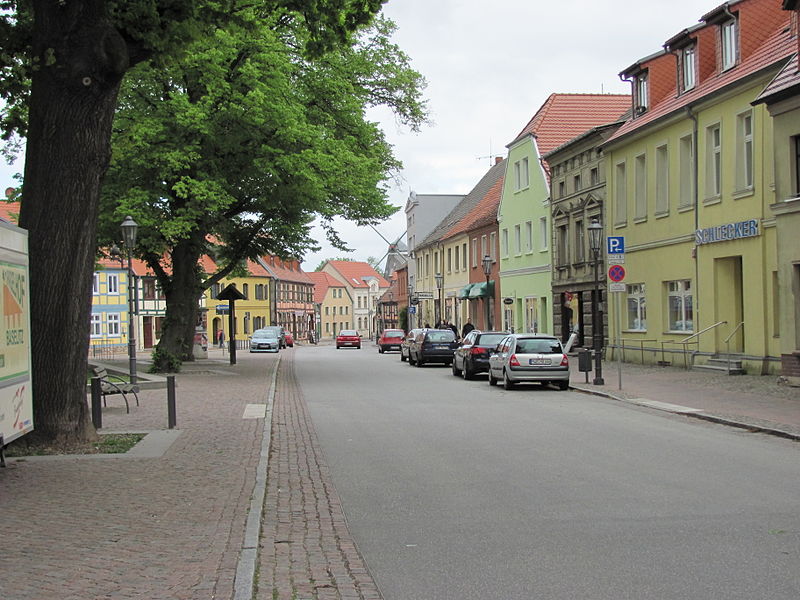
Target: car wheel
x=456 y=371
x=492 y=380
x=338 y=347
x=563 y=385
x=380 y=350
x=507 y=383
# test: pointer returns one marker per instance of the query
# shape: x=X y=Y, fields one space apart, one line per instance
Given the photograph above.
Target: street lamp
x=129 y=228
x=439 y=283
x=595 y=237
x=487 y=269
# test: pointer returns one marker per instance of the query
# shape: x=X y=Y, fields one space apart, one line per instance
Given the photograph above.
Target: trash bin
x=584 y=360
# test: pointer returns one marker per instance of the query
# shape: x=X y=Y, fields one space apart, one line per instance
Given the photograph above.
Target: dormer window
x=730 y=44
x=641 y=93
x=689 y=68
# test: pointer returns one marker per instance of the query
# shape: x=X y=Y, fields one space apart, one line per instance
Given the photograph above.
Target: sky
x=489 y=66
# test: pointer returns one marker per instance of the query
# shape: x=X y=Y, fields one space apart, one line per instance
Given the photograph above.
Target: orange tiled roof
x=760 y=50
x=323 y=281
x=785 y=83
x=9 y=211
x=565 y=116
x=279 y=269
x=352 y=271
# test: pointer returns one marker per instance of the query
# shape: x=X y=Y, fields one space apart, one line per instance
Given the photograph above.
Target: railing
x=685 y=341
x=728 y=344
x=641 y=346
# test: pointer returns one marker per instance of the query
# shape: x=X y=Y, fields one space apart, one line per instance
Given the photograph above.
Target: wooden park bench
x=113 y=384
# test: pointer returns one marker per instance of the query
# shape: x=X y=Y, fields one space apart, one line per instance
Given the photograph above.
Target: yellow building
x=335 y=304
x=690 y=187
x=251 y=313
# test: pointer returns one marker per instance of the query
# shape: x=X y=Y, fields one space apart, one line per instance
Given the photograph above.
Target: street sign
x=616 y=287
x=615 y=259
x=425 y=295
x=616 y=273
x=412 y=310
x=615 y=244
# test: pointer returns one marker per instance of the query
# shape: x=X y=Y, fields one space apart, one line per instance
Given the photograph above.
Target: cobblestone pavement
x=306 y=549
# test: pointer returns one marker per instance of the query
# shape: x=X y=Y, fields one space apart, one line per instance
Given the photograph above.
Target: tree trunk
x=182 y=295
x=72 y=103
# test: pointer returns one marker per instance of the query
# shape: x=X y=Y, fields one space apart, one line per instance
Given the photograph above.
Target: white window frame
x=493 y=246
x=729 y=46
x=112 y=284
x=689 y=67
x=484 y=246
x=686 y=171
x=636 y=294
x=504 y=243
x=580 y=241
x=517 y=240
x=680 y=293
x=640 y=187
x=662 y=180
x=713 y=161
x=528 y=237
x=744 y=152
x=474 y=252
x=642 y=96
x=114 y=324
x=96 y=325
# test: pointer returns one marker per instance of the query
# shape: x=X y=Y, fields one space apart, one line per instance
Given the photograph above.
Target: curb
x=741 y=423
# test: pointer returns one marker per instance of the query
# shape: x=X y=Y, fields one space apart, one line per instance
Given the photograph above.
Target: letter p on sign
x=615 y=244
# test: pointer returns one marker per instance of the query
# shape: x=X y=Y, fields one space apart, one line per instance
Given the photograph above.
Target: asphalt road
x=453 y=489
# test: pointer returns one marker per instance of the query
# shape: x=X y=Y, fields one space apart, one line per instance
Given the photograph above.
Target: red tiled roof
x=760 y=50
x=565 y=116
x=277 y=268
x=352 y=271
x=323 y=281
x=784 y=84
x=9 y=211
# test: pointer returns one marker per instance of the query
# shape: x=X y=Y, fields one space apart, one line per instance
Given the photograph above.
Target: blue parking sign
x=615 y=244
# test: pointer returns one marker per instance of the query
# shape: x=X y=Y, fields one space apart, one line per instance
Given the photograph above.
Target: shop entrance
x=729 y=302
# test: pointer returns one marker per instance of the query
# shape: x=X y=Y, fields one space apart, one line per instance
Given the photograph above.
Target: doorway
x=729 y=303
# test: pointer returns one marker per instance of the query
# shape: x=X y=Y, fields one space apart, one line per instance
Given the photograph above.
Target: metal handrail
x=641 y=345
x=728 y=344
x=703 y=331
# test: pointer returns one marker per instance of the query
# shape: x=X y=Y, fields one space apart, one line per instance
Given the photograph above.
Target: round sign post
x=616 y=273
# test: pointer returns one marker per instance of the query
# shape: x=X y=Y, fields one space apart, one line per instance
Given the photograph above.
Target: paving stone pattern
x=306 y=551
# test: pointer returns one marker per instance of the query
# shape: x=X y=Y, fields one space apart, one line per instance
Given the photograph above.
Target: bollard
x=97 y=409
x=171 y=412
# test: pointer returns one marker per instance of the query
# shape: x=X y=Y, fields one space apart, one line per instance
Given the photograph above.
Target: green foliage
x=164 y=362
x=404 y=318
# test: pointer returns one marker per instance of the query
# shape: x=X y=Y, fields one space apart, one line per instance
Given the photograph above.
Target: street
x=453 y=489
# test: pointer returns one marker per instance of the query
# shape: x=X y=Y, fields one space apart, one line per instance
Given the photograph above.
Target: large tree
x=72 y=55
x=235 y=148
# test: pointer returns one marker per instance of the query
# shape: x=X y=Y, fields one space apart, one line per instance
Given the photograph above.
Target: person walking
x=221 y=338
x=466 y=329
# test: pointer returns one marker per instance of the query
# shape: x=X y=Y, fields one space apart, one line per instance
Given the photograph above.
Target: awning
x=464 y=292
x=481 y=290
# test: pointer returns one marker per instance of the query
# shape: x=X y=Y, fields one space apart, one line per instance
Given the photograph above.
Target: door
x=147 y=331
x=729 y=303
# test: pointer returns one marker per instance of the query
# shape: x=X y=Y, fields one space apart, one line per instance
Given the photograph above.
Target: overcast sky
x=489 y=66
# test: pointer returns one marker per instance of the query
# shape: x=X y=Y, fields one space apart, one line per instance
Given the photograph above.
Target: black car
x=432 y=345
x=472 y=355
x=404 y=345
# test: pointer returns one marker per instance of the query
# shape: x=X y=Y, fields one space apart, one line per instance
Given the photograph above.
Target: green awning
x=481 y=290
x=464 y=292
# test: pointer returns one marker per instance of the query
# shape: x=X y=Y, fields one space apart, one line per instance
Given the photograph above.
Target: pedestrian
x=455 y=330
x=427 y=326
x=467 y=328
x=221 y=338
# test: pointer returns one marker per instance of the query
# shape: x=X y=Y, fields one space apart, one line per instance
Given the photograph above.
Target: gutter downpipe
x=696 y=200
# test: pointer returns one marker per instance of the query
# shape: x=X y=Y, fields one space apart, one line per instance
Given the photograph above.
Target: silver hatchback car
x=521 y=357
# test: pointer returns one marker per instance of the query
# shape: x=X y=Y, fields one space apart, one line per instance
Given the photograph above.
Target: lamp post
x=487 y=269
x=595 y=237
x=129 y=228
x=439 y=283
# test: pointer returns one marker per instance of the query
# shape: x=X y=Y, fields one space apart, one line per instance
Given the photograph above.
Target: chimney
x=498 y=160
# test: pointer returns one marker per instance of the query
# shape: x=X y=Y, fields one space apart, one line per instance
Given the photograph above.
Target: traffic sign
x=412 y=310
x=615 y=259
x=425 y=295
x=616 y=273
x=616 y=287
x=615 y=244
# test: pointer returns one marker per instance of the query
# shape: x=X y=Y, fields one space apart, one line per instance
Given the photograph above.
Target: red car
x=390 y=340
x=289 y=339
x=348 y=338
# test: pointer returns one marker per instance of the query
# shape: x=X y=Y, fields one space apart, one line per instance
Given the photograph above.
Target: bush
x=165 y=362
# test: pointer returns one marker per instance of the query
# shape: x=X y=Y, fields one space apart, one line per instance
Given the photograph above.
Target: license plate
x=442 y=347
x=539 y=361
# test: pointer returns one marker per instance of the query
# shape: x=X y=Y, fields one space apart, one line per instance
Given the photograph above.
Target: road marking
x=255 y=411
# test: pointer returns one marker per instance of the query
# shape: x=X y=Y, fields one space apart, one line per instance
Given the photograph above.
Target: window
x=246 y=292
x=328 y=310
x=484 y=246
x=113 y=323
x=679 y=299
x=561 y=189
x=641 y=93
x=594 y=176
x=457 y=253
x=640 y=182
x=543 y=232
x=96 y=284
x=260 y=291
x=112 y=283
x=521 y=174
x=474 y=252
x=688 y=68
x=427 y=264
x=528 y=236
x=577 y=183
x=359 y=302
x=562 y=239
x=517 y=240
x=449 y=260
x=662 y=180
x=464 y=256
x=729 y=44
x=637 y=308
x=620 y=195
x=580 y=242
x=504 y=242
x=493 y=246
x=686 y=171
x=149 y=288
x=744 y=151
x=95 y=325
x=713 y=161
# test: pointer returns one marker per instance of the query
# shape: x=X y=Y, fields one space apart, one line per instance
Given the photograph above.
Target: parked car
x=432 y=346
x=472 y=355
x=390 y=340
x=406 y=343
x=348 y=338
x=288 y=337
x=529 y=357
x=264 y=340
x=279 y=332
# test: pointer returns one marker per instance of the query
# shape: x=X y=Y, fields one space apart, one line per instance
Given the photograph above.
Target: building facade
x=335 y=305
x=250 y=314
x=364 y=285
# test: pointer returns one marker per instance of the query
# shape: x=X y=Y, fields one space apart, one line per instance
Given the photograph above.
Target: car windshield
x=264 y=334
x=491 y=339
x=348 y=332
x=397 y=334
x=441 y=336
x=534 y=346
x=270 y=330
